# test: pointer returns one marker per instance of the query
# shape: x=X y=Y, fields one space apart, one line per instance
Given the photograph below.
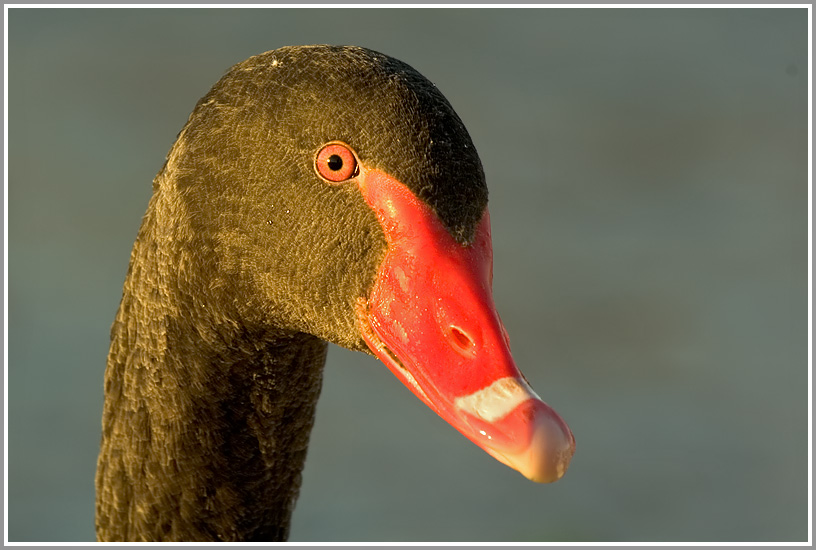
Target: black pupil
x=335 y=162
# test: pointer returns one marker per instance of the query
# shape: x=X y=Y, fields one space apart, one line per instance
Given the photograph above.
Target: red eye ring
x=336 y=162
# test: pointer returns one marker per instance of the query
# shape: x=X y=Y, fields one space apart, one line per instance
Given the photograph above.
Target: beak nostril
x=461 y=339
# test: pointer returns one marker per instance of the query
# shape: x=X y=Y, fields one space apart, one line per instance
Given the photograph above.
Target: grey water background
x=648 y=180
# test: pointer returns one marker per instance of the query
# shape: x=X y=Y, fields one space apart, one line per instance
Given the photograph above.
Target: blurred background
x=648 y=180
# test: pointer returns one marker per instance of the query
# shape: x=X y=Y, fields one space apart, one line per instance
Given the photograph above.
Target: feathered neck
x=206 y=419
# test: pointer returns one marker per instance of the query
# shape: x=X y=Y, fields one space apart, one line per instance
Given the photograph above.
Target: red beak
x=431 y=319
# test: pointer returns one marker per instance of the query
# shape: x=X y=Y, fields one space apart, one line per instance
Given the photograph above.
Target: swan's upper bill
x=431 y=319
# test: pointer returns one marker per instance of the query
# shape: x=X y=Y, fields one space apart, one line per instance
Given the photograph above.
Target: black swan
x=316 y=194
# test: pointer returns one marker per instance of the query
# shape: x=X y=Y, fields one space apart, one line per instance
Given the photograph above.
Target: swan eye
x=335 y=162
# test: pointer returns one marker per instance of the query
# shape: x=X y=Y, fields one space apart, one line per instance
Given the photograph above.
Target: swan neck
x=206 y=422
